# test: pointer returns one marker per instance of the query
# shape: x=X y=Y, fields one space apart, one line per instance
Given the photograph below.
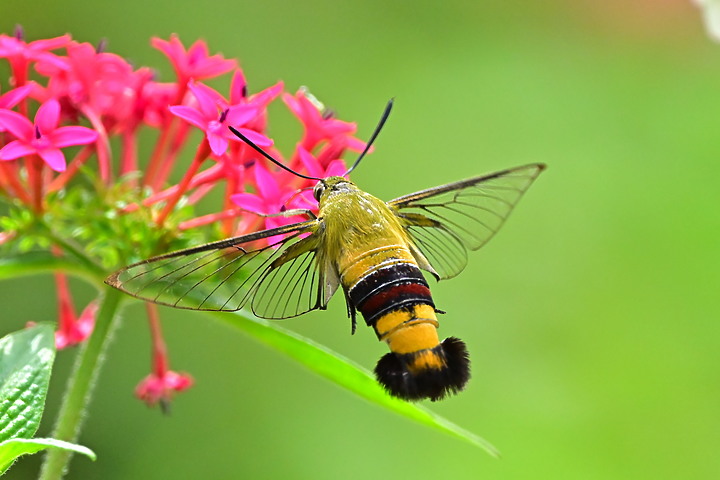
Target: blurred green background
x=592 y=318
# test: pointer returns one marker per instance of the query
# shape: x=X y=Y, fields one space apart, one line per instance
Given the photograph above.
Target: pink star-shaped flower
x=72 y=330
x=13 y=97
x=213 y=114
x=20 y=53
x=86 y=77
x=269 y=199
x=156 y=97
x=273 y=196
x=195 y=62
x=318 y=125
x=335 y=168
x=160 y=387
x=43 y=138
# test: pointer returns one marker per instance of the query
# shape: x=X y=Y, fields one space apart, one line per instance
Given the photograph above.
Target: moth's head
x=332 y=185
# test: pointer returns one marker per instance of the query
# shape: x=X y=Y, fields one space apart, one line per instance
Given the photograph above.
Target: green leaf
x=12 y=449
x=20 y=264
x=344 y=373
x=26 y=359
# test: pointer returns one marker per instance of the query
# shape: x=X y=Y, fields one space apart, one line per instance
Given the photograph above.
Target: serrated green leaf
x=344 y=373
x=12 y=449
x=26 y=359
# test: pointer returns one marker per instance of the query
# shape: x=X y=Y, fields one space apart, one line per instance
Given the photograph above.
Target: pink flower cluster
x=66 y=94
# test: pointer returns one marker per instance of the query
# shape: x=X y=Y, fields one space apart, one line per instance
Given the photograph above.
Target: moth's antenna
x=379 y=127
x=268 y=156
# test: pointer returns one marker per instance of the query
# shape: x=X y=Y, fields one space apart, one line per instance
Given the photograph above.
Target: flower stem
x=80 y=385
x=200 y=155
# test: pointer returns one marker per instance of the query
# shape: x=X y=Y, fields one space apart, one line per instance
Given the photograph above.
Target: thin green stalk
x=80 y=385
x=76 y=252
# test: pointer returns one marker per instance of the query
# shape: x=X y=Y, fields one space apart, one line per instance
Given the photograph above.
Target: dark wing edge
x=226 y=275
x=446 y=221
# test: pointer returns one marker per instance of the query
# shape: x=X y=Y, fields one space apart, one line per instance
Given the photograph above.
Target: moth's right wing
x=275 y=271
x=445 y=222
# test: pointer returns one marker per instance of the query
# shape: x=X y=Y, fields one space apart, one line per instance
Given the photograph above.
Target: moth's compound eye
x=318 y=191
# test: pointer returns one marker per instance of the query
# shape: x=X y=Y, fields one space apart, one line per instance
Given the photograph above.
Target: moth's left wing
x=276 y=271
x=446 y=221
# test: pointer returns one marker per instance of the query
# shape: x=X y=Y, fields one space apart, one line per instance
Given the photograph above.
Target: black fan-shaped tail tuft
x=411 y=377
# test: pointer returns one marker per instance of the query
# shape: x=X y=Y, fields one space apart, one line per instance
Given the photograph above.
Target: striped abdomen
x=387 y=287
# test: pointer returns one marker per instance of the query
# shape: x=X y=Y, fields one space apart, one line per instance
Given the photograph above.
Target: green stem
x=32 y=263
x=76 y=252
x=80 y=385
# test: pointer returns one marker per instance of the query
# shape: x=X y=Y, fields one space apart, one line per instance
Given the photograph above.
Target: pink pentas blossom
x=213 y=115
x=261 y=100
x=195 y=62
x=273 y=196
x=156 y=97
x=88 y=79
x=334 y=168
x=130 y=103
x=159 y=388
x=9 y=99
x=319 y=125
x=86 y=84
x=20 y=54
x=270 y=197
x=238 y=87
x=44 y=137
x=73 y=330
x=162 y=383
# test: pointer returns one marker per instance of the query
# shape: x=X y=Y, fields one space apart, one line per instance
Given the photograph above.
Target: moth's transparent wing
x=446 y=221
x=272 y=266
x=292 y=283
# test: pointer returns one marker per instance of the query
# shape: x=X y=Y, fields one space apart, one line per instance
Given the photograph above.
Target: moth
x=375 y=250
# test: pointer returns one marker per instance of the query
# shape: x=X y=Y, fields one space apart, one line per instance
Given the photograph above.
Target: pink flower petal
x=47 y=116
x=240 y=115
x=17 y=124
x=71 y=330
x=261 y=99
x=310 y=163
x=197 y=52
x=217 y=98
x=173 y=49
x=257 y=138
x=48 y=64
x=292 y=103
x=249 y=202
x=15 y=149
x=332 y=127
x=212 y=67
x=218 y=144
x=337 y=168
x=50 y=43
x=238 y=87
x=267 y=185
x=304 y=199
x=160 y=388
x=356 y=145
x=67 y=136
x=15 y=96
x=190 y=115
x=206 y=102
x=54 y=159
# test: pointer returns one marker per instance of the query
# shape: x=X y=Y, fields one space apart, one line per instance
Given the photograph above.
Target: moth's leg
x=351 y=313
x=289 y=213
